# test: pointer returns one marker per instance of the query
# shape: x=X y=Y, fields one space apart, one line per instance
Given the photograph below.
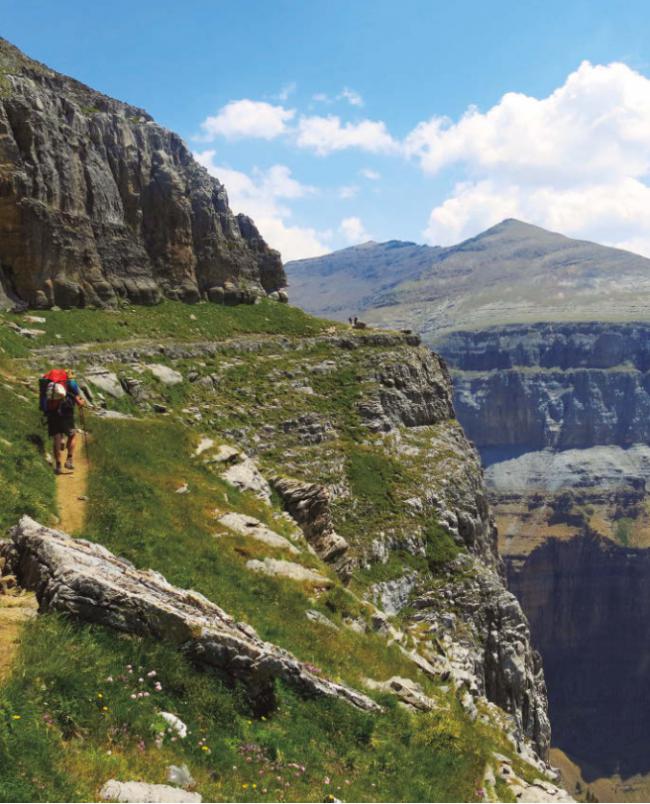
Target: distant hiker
x=350 y=320
x=355 y=321
x=59 y=395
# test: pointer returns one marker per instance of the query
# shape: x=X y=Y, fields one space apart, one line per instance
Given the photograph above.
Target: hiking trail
x=14 y=611
x=71 y=492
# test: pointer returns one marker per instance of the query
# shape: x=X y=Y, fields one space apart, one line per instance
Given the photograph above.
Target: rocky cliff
x=559 y=412
x=99 y=203
x=587 y=601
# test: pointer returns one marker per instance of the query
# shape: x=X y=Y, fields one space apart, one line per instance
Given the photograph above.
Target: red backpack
x=46 y=403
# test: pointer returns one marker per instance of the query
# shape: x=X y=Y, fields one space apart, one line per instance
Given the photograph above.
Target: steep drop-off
x=588 y=601
x=98 y=203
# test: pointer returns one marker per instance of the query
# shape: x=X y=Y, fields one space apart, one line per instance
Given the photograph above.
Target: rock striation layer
x=99 y=203
x=87 y=581
x=588 y=600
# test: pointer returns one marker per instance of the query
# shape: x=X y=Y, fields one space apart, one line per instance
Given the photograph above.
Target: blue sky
x=333 y=122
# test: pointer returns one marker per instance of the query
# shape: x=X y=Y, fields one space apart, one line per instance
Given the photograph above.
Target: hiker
x=60 y=394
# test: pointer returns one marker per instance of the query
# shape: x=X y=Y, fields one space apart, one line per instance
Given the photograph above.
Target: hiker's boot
x=69 y=464
x=58 y=470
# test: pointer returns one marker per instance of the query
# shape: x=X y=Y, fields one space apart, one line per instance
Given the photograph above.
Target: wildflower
x=129 y=667
x=205 y=748
x=133 y=696
x=245 y=786
x=151 y=674
x=99 y=695
x=15 y=717
x=109 y=753
x=264 y=790
x=254 y=785
x=145 y=694
x=109 y=679
x=141 y=681
x=104 y=709
x=327 y=780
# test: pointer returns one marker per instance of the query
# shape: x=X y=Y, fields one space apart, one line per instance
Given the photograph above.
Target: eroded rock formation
x=98 y=203
x=89 y=582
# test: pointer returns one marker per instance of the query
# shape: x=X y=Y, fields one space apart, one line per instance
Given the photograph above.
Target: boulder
x=246 y=477
x=288 y=569
x=86 y=581
x=106 y=381
x=165 y=374
x=249 y=526
x=141 y=792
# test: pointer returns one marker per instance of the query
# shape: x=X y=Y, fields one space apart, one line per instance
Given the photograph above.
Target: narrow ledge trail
x=71 y=491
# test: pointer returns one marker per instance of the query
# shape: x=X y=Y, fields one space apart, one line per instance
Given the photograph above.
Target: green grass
x=65 y=729
x=623 y=530
x=135 y=512
x=163 y=321
x=26 y=481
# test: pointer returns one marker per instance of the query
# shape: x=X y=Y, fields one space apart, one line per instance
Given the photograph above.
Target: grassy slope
x=57 y=742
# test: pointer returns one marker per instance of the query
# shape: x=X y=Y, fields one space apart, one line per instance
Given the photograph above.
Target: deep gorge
x=559 y=413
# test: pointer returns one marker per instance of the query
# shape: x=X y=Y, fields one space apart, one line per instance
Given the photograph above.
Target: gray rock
x=88 y=582
x=309 y=505
x=317 y=617
x=253 y=528
x=105 y=380
x=166 y=375
x=141 y=792
x=409 y=692
x=289 y=569
x=246 y=477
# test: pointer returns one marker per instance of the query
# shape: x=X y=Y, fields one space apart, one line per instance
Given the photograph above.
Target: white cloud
x=327 y=134
x=575 y=161
x=354 y=231
x=260 y=195
x=348 y=191
x=370 y=174
x=321 y=97
x=352 y=97
x=247 y=118
x=285 y=93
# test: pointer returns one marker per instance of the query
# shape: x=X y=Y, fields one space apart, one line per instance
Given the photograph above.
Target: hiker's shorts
x=58 y=424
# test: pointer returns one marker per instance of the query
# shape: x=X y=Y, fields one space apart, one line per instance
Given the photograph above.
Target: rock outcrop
x=309 y=505
x=88 y=582
x=99 y=203
x=412 y=393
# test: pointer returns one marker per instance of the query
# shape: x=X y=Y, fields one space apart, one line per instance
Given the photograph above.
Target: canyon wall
x=560 y=414
x=588 y=601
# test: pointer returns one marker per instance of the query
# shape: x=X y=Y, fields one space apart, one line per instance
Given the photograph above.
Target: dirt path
x=14 y=611
x=71 y=491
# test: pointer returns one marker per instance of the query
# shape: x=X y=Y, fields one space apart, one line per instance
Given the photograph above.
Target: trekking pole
x=83 y=424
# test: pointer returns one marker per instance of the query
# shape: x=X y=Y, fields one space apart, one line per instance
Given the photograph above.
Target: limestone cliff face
x=559 y=386
x=587 y=600
x=98 y=203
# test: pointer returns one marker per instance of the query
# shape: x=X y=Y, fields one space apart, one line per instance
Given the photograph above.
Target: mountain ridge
x=513 y=272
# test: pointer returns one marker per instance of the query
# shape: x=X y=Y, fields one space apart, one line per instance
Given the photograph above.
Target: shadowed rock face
x=98 y=202
x=587 y=602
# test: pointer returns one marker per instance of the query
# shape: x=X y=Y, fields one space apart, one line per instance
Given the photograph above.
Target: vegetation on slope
x=65 y=727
